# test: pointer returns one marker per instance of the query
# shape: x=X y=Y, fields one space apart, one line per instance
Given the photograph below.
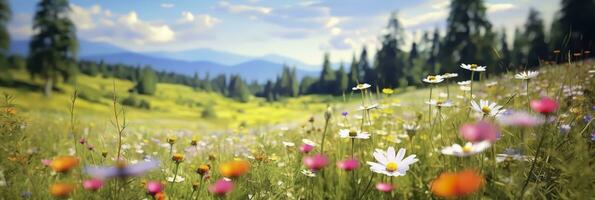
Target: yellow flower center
x=486 y=109
x=431 y=78
x=360 y=86
x=473 y=66
x=391 y=167
x=352 y=133
x=467 y=148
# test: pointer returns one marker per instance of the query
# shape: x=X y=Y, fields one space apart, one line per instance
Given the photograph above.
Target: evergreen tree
x=307 y=84
x=354 y=72
x=238 y=90
x=390 y=60
x=434 y=52
x=519 y=50
x=534 y=33
x=467 y=31
x=206 y=83
x=505 y=54
x=53 y=47
x=342 y=80
x=148 y=82
x=294 y=86
x=326 y=82
x=268 y=92
x=576 y=16
x=5 y=14
x=369 y=75
x=219 y=85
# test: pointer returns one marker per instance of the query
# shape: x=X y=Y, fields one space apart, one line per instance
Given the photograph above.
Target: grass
x=561 y=170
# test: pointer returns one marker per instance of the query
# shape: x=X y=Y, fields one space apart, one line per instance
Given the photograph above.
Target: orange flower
x=61 y=190
x=234 y=168
x=203 y=169
x=177 y=157
x=64 y=163
x=459 y=184
x=11 y=110
x=160 y=196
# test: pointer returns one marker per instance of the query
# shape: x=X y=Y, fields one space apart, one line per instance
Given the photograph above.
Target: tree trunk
x=49 y=84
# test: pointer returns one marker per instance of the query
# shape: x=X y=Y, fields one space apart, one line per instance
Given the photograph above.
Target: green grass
x=563 y=169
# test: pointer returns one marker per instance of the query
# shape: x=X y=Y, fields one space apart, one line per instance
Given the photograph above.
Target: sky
x=303 y=30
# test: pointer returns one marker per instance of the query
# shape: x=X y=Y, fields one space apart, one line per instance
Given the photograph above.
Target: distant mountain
x=188 y=62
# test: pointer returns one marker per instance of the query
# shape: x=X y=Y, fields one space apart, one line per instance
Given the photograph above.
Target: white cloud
x=497 y=7
x=433 y=16
x=167 y=5
x=187 y=16
x=83 y=17
x=238 y=8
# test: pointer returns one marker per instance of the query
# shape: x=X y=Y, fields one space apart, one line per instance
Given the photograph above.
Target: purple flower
x=522 y=119
x=121 y=170
x=564 y=128
x=587 y=118
x=344 y=114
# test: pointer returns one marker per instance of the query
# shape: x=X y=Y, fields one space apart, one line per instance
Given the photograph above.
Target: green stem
x=534 y=162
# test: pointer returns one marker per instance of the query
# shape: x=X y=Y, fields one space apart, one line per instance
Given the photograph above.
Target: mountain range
x=188 y=62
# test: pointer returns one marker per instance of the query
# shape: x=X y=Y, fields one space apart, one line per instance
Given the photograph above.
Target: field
x=260 y=150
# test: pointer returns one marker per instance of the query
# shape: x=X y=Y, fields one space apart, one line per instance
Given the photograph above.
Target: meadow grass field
x=531 y=140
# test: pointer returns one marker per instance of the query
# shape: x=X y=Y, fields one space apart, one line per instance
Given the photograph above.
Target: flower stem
x=534 y=162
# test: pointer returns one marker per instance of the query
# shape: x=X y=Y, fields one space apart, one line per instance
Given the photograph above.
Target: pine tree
x=53 y=47
x=369 y=75
x=294 y=86
x=467 y=30
x=577 y=16
x=307 y=84
x=534 y=33
x=148 y=82
x=5 y=14
x=434 y=52
x=505 y=54
x=326 y=82
x=354 y=72
x=390 y=60
x=238 y=90
x=519 y=50
x=342 y=80
x=268 y=91
x=206 y=83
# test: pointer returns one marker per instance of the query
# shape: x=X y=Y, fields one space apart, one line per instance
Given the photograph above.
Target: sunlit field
x=528 y=142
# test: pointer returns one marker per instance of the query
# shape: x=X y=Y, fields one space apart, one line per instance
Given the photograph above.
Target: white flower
x=486 y=108
x=473 y=67
x=440 y=103
x=390 y=164
x=449 y=75
x=491 y=84
x=410 y=127
x=465 y=88
x=511 y=155
x=464 y=82
x=288 y=144
x=308 y=173
x=526 y=75
x=369 y=107
x=433 y=79
x=467 y=150
x=346 y=133
x=309 y=142
x=178 y=179
x=362 y=86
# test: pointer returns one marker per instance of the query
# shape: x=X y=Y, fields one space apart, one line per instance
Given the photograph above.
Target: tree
x=434 y=52
x=148 y=82
x=354 y=72
x=519 y=49
x=534 y=33
x=307 y=84
x=369 y=75
x=268 y=92
x=326 y=82
x=576 y=17
x=238 y=90
x=505 y=54
x=5 y=14
x=466 y=34
x=53 y=47
x=390 y=60
x=342 y=80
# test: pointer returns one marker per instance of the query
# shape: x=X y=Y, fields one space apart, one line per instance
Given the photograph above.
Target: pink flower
x=154 y=187
x=523 y=119
x=348 y=165
x=306 y=148
x=316 y=162
x=82 y=141
x=479 y=131
x=384 y=187
x=545 y=105
x=46 y=162
x=92 y=184
x=221 y=187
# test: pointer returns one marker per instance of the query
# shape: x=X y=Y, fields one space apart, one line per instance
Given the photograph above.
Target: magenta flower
x=348 y=165
x=92 y=184
x=154 y=187
x=306 y=148
x=545 y=105
x=480 y=131
x=384 y=187
x=522 y=119
x=221 y=187
x=46 y=162
x=316 y=162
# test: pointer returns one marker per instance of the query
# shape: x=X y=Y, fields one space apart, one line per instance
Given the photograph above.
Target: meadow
x=530 y=136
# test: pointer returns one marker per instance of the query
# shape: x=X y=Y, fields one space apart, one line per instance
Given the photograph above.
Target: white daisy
x=465 y=88
x=362 y=86
x=288 y=144
x=491 y=84
x=449 y=75
x=308 y=173
x=178 y=179
x=467 y=150
x=473 y=67
x=346 y=133
x=486 y=108
x=440 y=103
x=526 y=75
x=464 y=82
x=369 y=107
x=433 y=79
x=511 y=155
x=390 y=164
x=309 y=142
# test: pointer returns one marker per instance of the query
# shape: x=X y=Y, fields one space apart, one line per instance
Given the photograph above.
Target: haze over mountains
x=188 y=62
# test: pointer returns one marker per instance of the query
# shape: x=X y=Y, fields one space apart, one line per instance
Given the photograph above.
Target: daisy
x=526 y=75
x=440 y=103
x=433 y=79
x=464 y=82
x=369 y=107
x=467 y=150
x=473 y=67
x=288 y=144
x=309 y=142
x=362 y=86
x=178 y=179
x=346 y=133
x=390 y=164
x=449 y=75
x=511 y=155
x=486 y=108
x=308 y=173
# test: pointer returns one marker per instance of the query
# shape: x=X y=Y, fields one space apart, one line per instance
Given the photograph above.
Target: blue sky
x=303 y=30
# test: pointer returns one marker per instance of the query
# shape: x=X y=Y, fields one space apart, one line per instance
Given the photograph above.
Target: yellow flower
x=178 y=157
x=64 y=163
x=203 y=169
x=234 y=168
x=387 y=91
x=171 y=140
x=61 y=190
